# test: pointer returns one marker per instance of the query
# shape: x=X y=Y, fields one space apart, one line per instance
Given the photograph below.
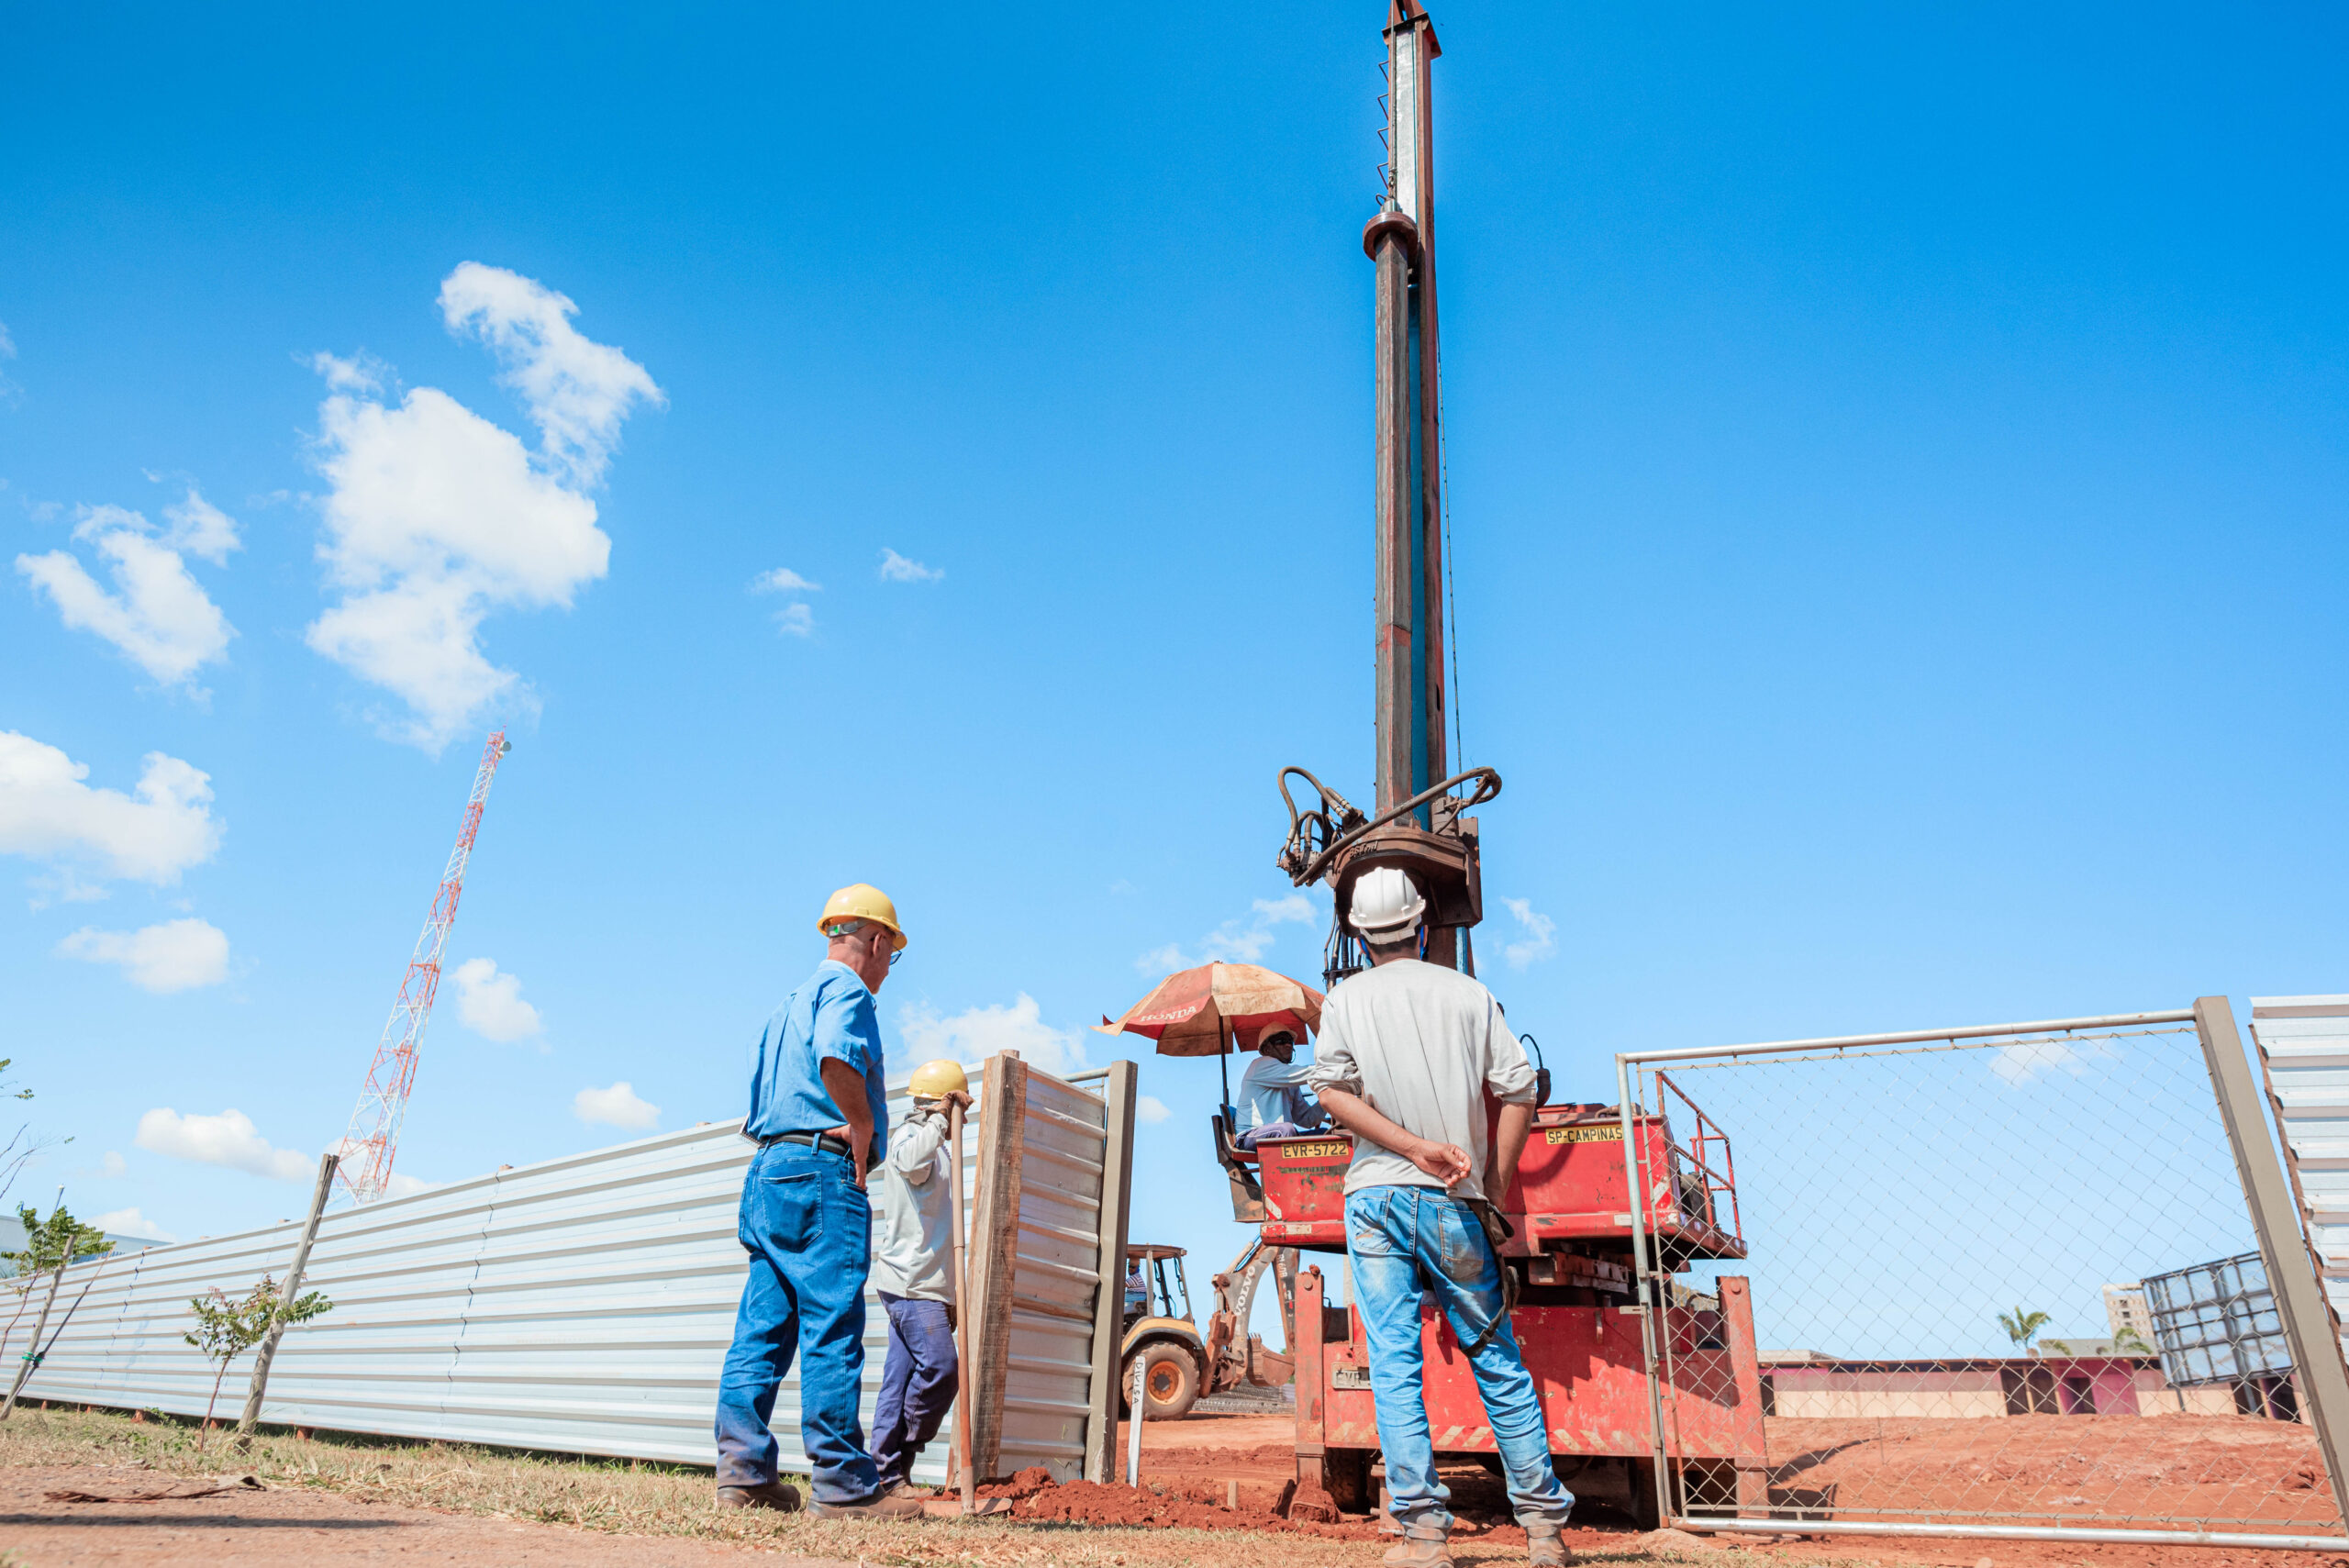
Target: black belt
x=823 y=1141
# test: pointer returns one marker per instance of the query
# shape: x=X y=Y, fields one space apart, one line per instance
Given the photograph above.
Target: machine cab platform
x=1570 y=1195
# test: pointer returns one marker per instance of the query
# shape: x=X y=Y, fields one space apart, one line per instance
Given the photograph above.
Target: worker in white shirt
x=1274 y=1100
x=913 y=1271
x=1418 y=1064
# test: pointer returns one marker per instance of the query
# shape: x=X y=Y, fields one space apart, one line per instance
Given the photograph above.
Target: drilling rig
x=1588 y=1319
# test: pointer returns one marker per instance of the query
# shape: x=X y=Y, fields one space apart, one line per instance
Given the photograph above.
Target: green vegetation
x=226 y=1329
x=2024 y=1327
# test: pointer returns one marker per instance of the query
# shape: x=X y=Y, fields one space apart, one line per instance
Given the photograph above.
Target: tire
x=1345 y=1476
x=1172 y=1384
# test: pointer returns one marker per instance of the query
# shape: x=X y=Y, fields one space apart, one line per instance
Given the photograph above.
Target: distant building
x=2070 y=1349
x=2125 y=1310
x=123 y=1246
x=1809 y=1383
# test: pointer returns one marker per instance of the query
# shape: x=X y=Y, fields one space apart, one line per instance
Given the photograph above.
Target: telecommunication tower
x=375 y=1135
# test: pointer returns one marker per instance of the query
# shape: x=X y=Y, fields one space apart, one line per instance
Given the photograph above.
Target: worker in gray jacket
x=913 y=1271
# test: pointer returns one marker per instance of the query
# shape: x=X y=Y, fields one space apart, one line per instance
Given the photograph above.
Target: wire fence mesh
x=1914 y=1280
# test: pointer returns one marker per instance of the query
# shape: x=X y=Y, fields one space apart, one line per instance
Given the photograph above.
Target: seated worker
x=1137 y=1290
x=1274 y=1100
x=915 y=1275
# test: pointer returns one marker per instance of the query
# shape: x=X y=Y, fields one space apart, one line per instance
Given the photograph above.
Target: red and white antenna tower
x=375 y=1135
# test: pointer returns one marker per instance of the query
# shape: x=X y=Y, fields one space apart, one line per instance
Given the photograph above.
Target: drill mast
x=1417 y=820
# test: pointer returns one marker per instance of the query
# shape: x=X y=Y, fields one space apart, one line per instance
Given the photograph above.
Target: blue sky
x=1896 y=527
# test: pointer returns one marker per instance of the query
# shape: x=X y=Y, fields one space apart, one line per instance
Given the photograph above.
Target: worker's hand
x=856 y=1151
x=960 y=1098
x=1447 y=1163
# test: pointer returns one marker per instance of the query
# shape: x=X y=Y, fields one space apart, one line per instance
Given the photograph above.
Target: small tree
x=2024 y=1327
x=54 y=1242
x=50 y=1247
x=20 y=1146
x=2129 y=1342
x=226 y=1328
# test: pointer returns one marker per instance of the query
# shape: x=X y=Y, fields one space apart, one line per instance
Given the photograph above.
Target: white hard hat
x=1385 y=902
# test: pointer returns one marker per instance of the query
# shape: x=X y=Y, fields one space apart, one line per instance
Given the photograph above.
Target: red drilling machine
x=1589 y=1319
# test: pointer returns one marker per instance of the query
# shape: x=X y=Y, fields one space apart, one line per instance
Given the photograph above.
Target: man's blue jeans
x=917 y=1384
x=808 y=1229
x=1402 y=1242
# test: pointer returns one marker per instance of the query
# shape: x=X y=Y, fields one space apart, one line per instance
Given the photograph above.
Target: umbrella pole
x=1223 y=1061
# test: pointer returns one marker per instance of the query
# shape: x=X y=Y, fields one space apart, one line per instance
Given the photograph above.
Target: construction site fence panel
x=2008 y=1281
x=575 y=1306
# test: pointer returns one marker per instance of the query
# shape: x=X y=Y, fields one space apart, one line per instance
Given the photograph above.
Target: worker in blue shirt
x=1274 y=1100
x=820 y=1117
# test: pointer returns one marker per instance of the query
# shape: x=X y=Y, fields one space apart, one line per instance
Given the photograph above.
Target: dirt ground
x=2268 y=1475
x=2064 y=1467
x=290 y=1525
x=1210 y=1487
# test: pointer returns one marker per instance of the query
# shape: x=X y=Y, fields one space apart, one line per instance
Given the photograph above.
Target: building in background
x=2124 y=1310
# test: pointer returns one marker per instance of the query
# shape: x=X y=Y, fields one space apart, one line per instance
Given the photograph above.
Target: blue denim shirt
x=832 y=1015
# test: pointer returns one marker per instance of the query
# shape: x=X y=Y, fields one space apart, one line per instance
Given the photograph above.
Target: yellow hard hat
x=861 y=901
x=936 y=1080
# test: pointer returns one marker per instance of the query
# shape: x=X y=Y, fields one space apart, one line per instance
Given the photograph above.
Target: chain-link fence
x=1996 y=1282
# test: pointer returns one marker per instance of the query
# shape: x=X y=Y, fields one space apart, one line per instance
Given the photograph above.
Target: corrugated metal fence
x=579 y=1306
x=2304 y=1052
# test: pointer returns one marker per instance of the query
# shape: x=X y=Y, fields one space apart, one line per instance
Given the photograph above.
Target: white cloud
x=2019 y=1064
x=228 y=1140
x=62 y=885
x=201 y=528
x=782 y=580
x=436 y=516
x=114 y=1164
x=360 y=374
x=1240 y=941
x=616 y=1107
x=159 y=615
x=1149 y=1108
x=977 y=1033
x=795 y=619
x=491 y=1004
x=402 y=1186
x=178 y=955
x=48 y=813
x=577 y=391
x=896 y=568
x=9 y=390
x=1540 y=938
x=130 y=1222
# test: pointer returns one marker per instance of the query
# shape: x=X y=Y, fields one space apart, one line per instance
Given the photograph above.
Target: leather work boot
x=882 y=1506
x=1421 y=1548
x=773 y=1495
x=909 y=1489
x=1546 y=1546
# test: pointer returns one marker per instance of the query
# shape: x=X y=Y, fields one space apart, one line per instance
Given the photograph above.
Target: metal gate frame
x=2299 y=1300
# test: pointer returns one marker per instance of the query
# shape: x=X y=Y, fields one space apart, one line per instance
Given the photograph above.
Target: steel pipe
x=2025 y=1532
x=1910 y=1036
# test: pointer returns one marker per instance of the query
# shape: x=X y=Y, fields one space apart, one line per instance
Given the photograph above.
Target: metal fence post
x=994 y=1245
x=1110 y=1302
x=267 y=1353
x=2299 y=1300
x=1643 y=1272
